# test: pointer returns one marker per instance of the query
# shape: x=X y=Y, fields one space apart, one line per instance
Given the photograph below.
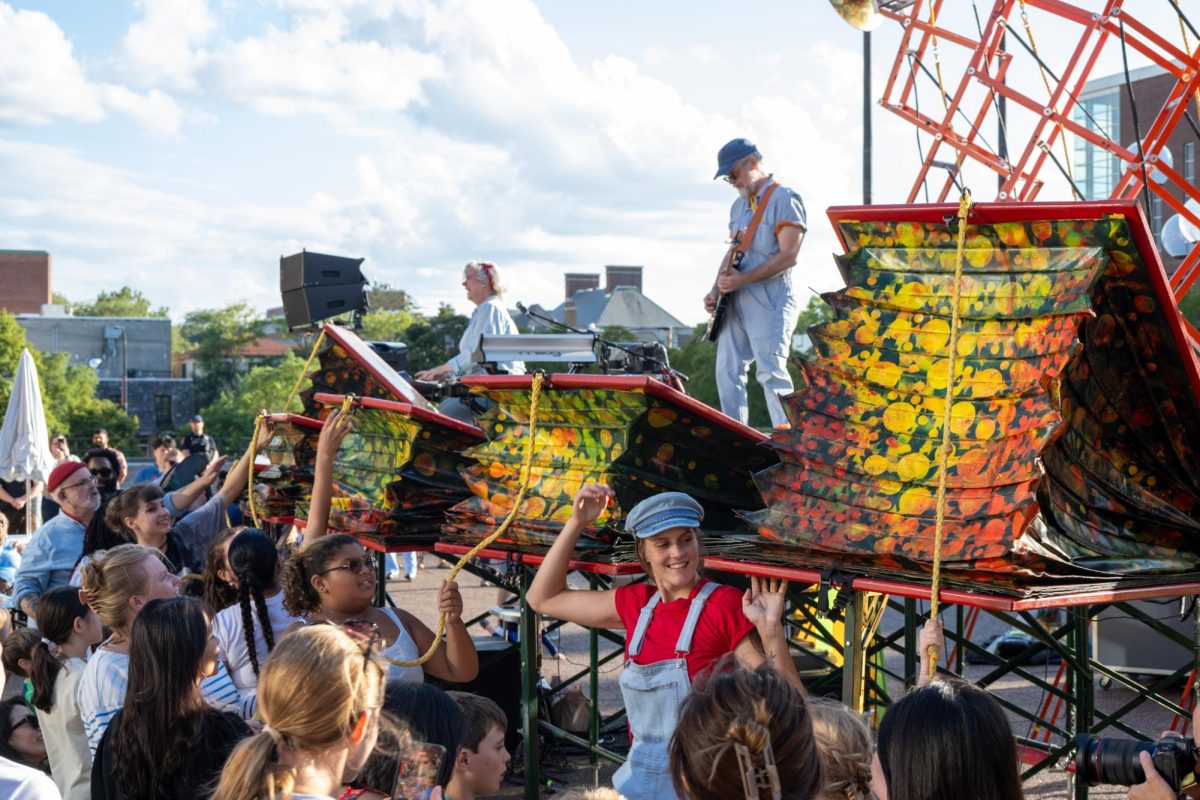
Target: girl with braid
x=248 y=630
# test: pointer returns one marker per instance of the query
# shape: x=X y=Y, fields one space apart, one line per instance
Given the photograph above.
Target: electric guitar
x=718 y=318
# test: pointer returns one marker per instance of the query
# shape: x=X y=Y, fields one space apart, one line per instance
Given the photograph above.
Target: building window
x=1189 y=162
x=164 y=419
x=1097 y=170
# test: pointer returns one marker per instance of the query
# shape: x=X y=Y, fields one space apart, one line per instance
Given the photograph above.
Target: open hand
x=450 y=601
x=337 y=425
x=213 y=470
x=764 y=601
x=590 y=502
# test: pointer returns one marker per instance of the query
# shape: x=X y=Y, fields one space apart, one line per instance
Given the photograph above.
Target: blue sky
x=182 y=146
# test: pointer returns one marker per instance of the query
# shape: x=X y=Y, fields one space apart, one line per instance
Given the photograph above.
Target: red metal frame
x=536 y=560
x=986 y=70
x=375 y=365
x=654 y=388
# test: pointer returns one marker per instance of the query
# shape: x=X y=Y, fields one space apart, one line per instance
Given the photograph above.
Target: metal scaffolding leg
x=530 y=642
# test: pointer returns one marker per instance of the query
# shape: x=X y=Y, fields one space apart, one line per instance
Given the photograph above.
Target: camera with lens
x=1115 y=761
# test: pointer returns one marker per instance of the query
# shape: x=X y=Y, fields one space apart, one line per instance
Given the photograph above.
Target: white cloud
x=154 y=111
x=162 y=47
x=41 y=79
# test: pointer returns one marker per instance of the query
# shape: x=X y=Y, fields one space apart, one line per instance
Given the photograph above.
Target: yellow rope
x=937 y=55
x=1187 y=46
x=1062 y=135
x=304 y=372
x=964 y=205
x=252 y=451
x=526 y=472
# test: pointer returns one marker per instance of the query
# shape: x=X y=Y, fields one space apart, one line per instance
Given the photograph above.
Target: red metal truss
x=955 y=121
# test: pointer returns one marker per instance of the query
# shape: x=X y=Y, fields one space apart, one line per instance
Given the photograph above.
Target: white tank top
x=403 y=649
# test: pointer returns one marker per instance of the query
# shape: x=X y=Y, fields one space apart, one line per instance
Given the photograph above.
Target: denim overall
x=653 y=694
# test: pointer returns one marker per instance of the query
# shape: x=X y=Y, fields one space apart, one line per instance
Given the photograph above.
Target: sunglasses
x=355 y=565
x=103 y=472
x=30 y=720
x=77 y=484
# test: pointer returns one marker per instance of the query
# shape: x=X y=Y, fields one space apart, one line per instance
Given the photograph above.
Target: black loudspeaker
x=306 y=269
x=499 y=680
x=310 y=304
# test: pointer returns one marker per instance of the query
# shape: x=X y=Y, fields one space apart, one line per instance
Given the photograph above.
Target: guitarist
x=767 y=224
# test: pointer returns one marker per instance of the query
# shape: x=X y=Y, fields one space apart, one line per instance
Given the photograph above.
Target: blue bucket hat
x=733 y=152
x=662 y=512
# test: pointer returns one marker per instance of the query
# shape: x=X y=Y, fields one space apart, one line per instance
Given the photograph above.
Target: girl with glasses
x=333 y=579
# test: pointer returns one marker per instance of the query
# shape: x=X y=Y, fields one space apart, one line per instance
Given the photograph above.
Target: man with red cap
x=55 y=547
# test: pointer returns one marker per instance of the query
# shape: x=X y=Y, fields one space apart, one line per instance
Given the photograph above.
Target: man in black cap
x=198 y=441
x=767 y=224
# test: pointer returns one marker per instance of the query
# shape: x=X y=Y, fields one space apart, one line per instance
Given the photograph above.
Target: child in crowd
x=118 y=584
x=69 y=628
x=18 y=649
x=17 y=781
x=482 y=759
x=249 y=630
x=321 y=719
x=844 y=743
x=220 y=586
x=746 y=733
x=166 y=742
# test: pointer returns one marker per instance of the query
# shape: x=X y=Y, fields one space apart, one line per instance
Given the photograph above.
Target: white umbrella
x=24 y=440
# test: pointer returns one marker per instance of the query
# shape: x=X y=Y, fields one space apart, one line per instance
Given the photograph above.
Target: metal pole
x=529 y=687
x=867 y=133
x=124 y=371
x=1002 y=122
x=854 y=660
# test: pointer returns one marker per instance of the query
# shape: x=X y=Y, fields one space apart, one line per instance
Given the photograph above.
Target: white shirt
x=19 y=782
x=227 y=626
x=403 y=649
x=490 y=318
x=66 y=741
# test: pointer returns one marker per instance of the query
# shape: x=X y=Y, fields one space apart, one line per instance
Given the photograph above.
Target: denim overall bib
x=653 y=694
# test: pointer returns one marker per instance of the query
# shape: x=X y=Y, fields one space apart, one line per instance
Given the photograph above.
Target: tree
x=383 y=297
x=388 y=325
x=434 y=340
x=68 y=392
x=230 y=418
x=1189 y=306
x=216 y=335
x=124 y=302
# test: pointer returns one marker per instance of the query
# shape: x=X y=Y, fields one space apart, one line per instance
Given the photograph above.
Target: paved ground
x=573 y=769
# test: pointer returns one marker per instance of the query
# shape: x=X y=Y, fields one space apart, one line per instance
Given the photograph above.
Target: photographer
x=1155 y=788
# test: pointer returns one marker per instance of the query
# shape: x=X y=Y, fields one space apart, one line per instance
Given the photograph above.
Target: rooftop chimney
x=569 y=317
x=622 y=276
x=580 y=281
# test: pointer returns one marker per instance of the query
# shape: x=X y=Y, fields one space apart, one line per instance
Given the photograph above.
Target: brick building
x=24 y=281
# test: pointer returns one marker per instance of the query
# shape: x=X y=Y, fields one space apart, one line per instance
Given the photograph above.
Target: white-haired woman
x=481 y=279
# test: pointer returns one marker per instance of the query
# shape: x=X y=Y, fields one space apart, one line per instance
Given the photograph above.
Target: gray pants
x=758 y=327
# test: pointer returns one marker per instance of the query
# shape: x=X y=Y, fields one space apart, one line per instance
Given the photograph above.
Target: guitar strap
x=752 y=228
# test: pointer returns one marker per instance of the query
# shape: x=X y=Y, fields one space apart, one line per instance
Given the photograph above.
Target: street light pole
x=124 y=372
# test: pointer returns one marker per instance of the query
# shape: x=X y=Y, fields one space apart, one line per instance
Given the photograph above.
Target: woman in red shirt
x=677 y=627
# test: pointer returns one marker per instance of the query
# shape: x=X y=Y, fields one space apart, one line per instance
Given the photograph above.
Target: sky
x=182 y=146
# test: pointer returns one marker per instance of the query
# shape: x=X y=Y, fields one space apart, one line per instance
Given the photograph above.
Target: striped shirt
x=102 y=693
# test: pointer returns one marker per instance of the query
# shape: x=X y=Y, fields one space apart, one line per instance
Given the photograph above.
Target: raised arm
x=235 y=481
x=456 y=660
x=549 y=593
x=337 y=425
x=184 y=498
x=763 y=604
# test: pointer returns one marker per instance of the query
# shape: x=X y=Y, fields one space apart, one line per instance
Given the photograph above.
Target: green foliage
x=616 y=333
x=216 y=334
x=382 y=297
x=68 y=393
x=387 y=325
x=1189 y=306
x=230 y=418
x=434 y=340
x=124 y=302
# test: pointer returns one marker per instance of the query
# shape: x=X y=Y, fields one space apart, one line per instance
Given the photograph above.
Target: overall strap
x=639 y=633
x=752 y=228
x=689 y=627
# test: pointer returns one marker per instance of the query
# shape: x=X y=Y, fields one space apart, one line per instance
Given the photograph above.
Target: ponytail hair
x=844 y=743
x=253 y=559
x=745 y=734
x=314 y=688
x=112 y=577
x=56 y=615
x=299 y=596
x=217 y=592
